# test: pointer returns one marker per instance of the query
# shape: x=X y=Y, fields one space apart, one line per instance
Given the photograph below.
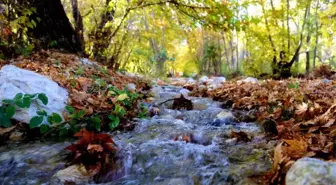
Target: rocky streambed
x=176 y=147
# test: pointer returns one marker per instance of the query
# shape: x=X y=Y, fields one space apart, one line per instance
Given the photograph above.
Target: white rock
x=14 y=80
x=131 y=87
x=201 y=104
x=213 y=85
x=224 y=115
x=250 y=80
x=155 y=91
x=219 y=80
x=203 y=79
x=76 y=174
x=185 y=92
x=87 y=62
x=132 y=75
x=215 y=82
x=309 y=171
x=191 y=81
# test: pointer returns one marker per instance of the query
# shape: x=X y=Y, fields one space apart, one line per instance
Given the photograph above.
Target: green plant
x=93 y=122
x=100 y=83
x=9 y=106
x=37 y=121
x=295 y=85
x=79 y=71
x=143 y=113
x=114 y=121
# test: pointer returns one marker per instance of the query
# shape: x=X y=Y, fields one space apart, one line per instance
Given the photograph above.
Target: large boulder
x=14 y=80
x=310 y=171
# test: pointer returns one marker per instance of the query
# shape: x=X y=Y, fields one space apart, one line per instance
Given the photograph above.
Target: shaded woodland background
x=156 y=37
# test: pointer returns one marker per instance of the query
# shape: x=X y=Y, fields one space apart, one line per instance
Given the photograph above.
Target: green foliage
x=6 y=113
x=24 y=101
x=15 y=23
x=295 y=85
x=114 y=121
x=143 y=113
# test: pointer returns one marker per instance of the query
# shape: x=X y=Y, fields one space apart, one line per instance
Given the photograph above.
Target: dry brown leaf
x=4 y=131
x=329 y=123
x=278 y=156
x=95 y=148
x=301 y=109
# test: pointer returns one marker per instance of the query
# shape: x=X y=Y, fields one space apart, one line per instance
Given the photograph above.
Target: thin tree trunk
x=288 y=29
x=308 y=51
x=79 y=27
x=219 y=62
x=232 y=52
x=269 y=31
x=297 y=51
x=237 y=51
x=316 y=33
x=283 y=25
x=226 y=49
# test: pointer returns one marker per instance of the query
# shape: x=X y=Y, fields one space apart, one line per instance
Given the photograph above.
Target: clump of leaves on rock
x=94 y=151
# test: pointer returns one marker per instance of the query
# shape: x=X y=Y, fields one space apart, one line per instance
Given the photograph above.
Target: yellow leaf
x=122 y=97
x=297 y=145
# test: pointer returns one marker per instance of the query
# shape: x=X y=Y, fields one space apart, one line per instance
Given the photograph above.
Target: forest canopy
x=156 y=37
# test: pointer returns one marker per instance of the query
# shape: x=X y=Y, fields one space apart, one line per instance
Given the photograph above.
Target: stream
x=176 y=147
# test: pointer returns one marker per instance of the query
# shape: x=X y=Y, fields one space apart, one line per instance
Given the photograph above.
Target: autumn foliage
x=304 y=112
x=92 y=150
x=91 y=86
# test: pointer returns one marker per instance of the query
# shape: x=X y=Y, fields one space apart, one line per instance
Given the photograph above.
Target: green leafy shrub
x=23 y=101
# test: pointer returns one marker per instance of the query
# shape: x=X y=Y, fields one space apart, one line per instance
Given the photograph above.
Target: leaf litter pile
x=95 y=151
x=93 y=89
x=303 y=112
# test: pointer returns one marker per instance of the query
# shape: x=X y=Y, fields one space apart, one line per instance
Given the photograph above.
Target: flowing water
x=173 y=148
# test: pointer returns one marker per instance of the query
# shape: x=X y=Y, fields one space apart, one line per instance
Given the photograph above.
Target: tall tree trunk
x=232 y=49
x=79 y=27
x=226 y=49
x=100 y=35
x=288 y=29
x=54 y=30
x=316 y=33
x=308 y=51
x=219 y=61
x=237 y=52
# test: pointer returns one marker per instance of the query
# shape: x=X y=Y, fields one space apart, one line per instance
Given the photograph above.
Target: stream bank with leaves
x=174 y=147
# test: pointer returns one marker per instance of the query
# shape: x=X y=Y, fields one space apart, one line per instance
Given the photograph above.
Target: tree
x=79 y=27
x=53 y=28
x=282 y=67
